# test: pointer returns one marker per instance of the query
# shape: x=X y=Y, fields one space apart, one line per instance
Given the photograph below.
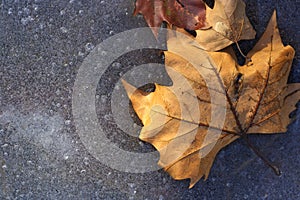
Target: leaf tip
x=130 y=89
x=273 y=20
x=193 y=182
x=191 y=186
x=155 y=31
x=270 y=39
x=274 y=13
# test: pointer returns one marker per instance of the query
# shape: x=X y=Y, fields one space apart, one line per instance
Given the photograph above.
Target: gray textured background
x=42 y=45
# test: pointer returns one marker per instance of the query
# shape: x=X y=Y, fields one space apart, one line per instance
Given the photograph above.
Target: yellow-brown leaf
x=229 y=25
x=184 y=122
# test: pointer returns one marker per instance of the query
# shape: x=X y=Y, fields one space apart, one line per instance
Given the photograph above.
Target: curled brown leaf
x=189 y=14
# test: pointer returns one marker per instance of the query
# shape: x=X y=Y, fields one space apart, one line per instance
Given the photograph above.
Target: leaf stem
x=239 y=48
x=261 y=156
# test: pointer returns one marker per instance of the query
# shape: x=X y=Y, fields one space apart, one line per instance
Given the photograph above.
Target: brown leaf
x=187 y=122
x=229 y=25
x=189 y=14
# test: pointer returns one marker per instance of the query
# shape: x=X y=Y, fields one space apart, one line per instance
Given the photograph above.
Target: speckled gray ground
x=42 y=45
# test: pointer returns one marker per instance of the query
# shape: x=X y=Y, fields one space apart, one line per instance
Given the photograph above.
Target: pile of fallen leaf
x=258 y=98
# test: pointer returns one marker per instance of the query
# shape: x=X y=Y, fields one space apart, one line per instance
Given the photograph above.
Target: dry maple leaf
x=257 y=100
x=229 y=25
x=189 y=14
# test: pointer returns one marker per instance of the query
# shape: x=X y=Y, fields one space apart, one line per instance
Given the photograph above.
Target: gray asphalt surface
x=42 y=46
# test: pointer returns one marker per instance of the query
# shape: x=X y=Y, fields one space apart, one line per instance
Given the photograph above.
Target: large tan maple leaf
x=189 y=123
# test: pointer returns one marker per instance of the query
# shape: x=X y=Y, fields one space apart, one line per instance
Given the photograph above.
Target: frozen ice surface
x=40 y=129
x=26 y=20
x=63 y=29
x=89 y=47
x=42 y=46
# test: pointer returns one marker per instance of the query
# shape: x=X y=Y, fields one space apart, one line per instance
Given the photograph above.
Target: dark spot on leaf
x=149 y=87
x=191 y=32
